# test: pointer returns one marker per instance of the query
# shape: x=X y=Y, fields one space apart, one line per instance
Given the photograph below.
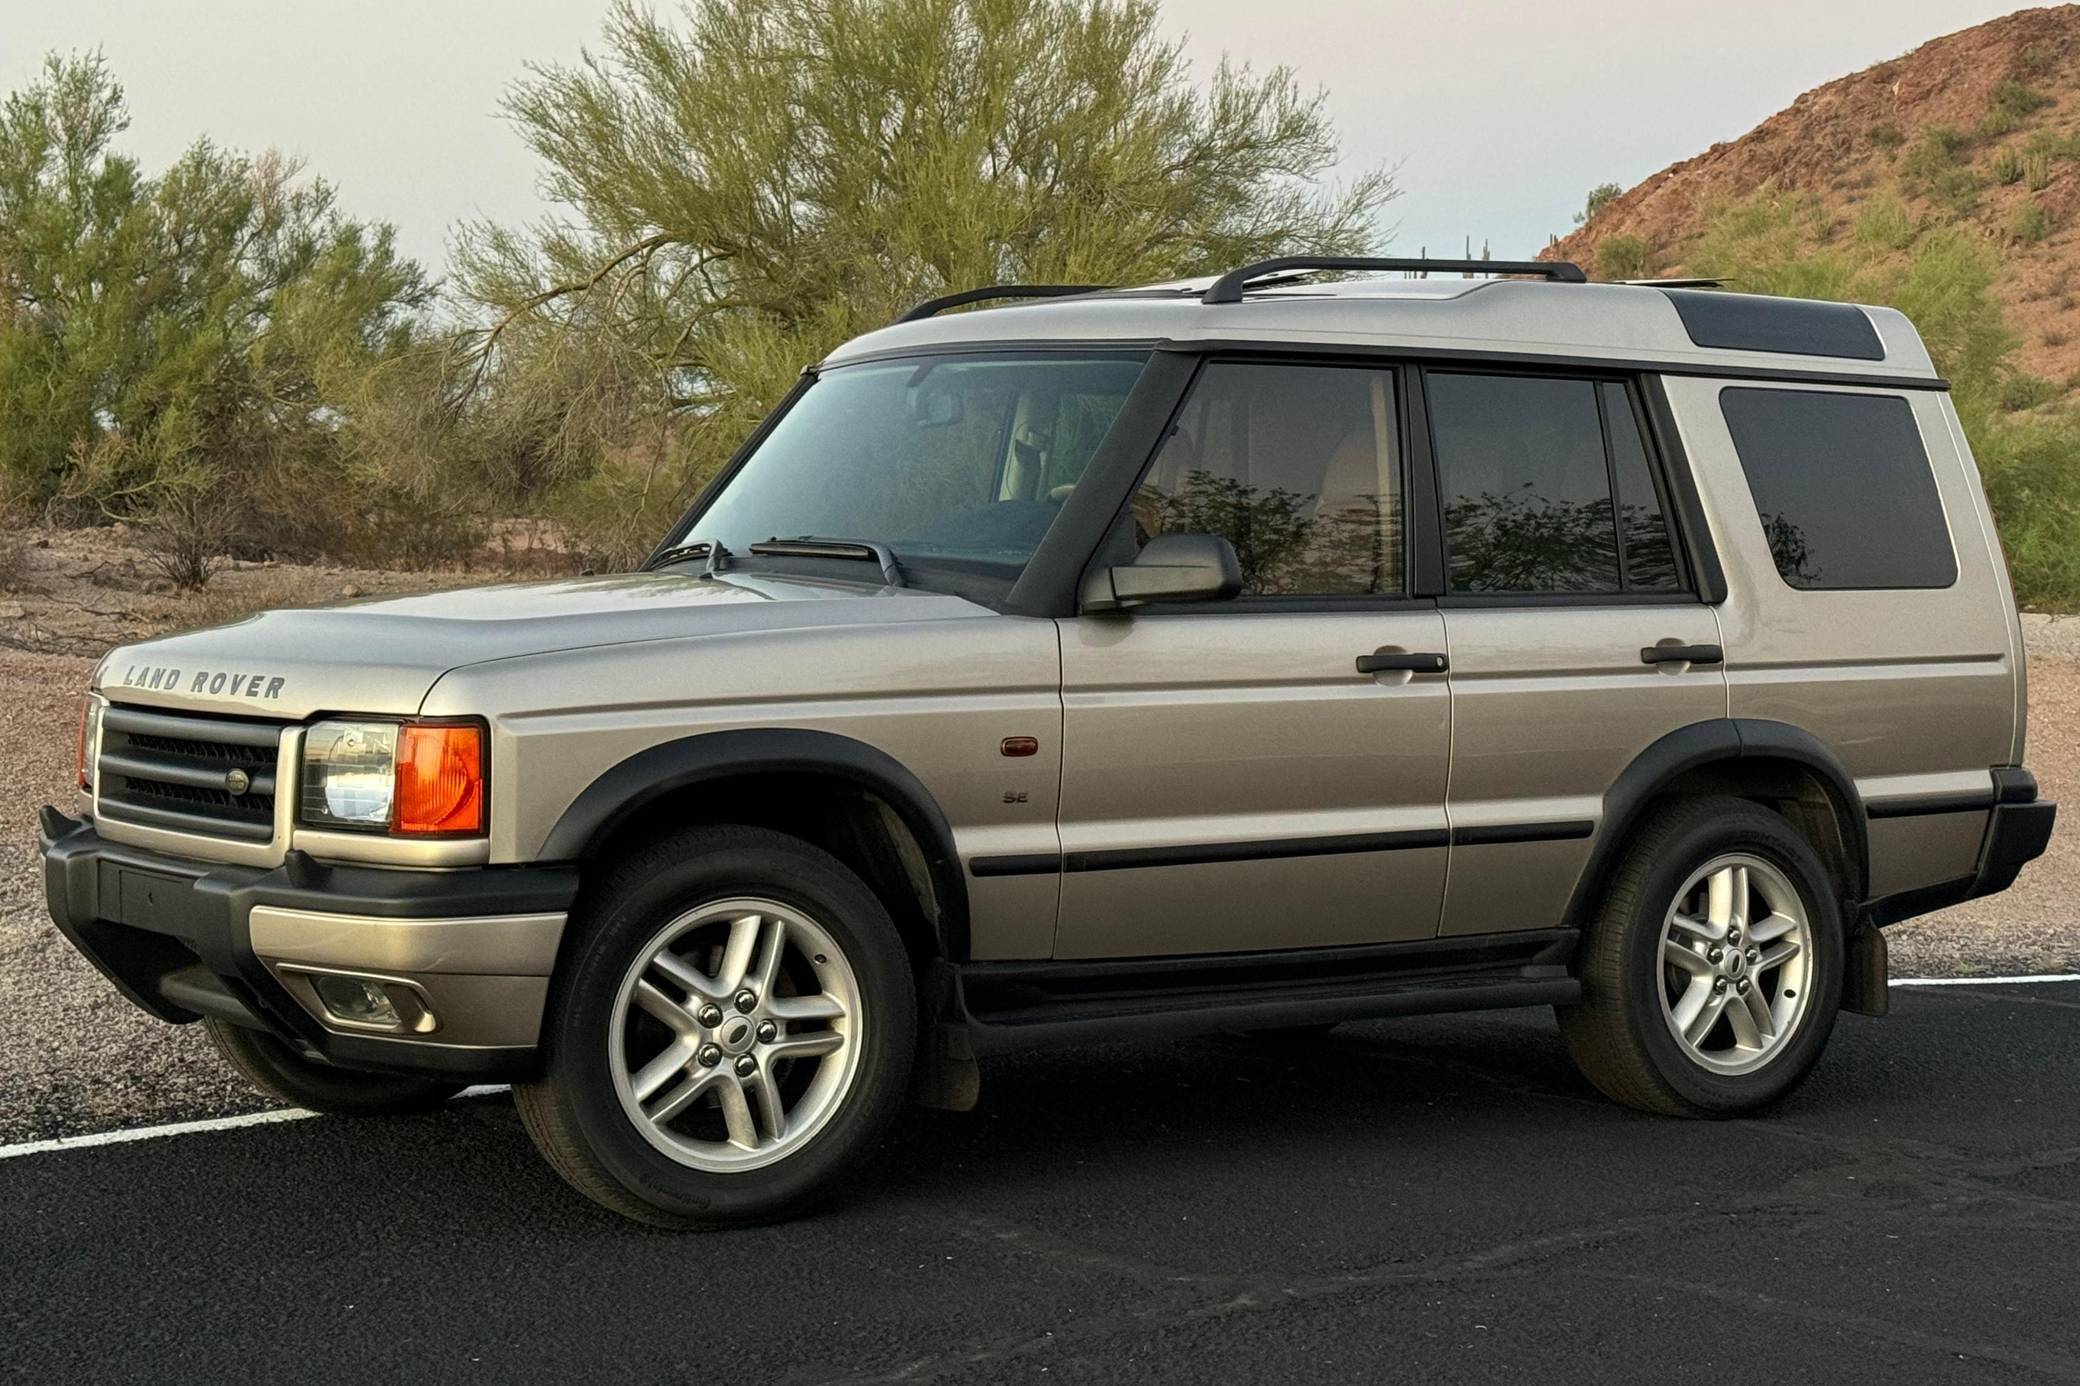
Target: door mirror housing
x=1171 y=568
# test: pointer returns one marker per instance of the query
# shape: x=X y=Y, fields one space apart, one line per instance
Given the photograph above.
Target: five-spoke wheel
x=735 y=1033
x=729 y=1032
x=1712 y=970
x=1737 y=947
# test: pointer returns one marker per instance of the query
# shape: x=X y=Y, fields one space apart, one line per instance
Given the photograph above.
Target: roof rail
x=931 y=307
x=1674 y=283
x=1228 y=288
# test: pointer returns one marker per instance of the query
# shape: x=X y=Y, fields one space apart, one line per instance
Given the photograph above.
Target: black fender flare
x=622 y=791
x=1701 y=744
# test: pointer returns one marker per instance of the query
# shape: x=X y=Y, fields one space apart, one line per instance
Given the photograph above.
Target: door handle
x=1403 y=663
x=1682 y=654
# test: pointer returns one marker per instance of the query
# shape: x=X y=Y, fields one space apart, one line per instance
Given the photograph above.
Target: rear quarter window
x=1843 y=488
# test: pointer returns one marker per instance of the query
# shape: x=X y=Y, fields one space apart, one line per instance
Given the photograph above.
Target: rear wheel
x=1712 y=975
x=731 y=1034
x=279 y=1071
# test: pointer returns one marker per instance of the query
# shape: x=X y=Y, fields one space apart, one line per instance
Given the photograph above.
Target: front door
x=1231 y=780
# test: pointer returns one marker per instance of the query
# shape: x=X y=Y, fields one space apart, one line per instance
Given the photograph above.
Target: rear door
x=1577 y=634
x=1231 y=779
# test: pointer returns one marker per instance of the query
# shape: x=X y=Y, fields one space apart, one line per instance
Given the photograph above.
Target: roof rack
x=1674 y=283
x=1228 y=288
x=932 y=307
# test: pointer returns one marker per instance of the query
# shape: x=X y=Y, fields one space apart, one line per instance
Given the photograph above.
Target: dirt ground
x=76 y=1057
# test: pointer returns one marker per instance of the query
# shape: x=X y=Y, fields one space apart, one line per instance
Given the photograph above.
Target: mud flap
x=1866 y=986
x=947 y=1075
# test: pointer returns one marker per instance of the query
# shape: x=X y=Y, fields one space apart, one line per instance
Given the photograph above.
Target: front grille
x=177 y=771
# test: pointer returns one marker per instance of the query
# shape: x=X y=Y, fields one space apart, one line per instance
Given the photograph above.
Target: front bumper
x=468 y=953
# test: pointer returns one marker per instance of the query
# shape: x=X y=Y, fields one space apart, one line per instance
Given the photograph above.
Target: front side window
x=1546 y=488
x=1842 y=488
x=957 y=464
x=1298 y=467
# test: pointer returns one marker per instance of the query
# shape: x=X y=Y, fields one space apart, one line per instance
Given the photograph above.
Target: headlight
x=410 y=779
x=350 y=774
x=89 y=739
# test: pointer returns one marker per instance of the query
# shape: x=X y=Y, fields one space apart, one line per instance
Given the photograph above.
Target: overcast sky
x=1502 y=115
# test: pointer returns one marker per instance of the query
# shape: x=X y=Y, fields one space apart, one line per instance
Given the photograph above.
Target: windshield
x=956 y=464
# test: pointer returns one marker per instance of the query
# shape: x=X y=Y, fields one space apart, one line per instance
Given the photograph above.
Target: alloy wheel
x=736 y=1034
x=1736 y=959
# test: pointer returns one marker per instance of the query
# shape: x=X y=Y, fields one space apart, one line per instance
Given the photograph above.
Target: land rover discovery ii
x=1252 y=654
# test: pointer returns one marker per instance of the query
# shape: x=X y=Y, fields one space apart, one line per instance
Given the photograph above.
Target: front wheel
x=1712 y=975
x=730 y=1035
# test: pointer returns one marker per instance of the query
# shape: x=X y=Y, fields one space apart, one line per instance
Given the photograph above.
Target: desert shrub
x=2051 y=145
x=1600 y=197
x=190 y=527
x=2035 y=60
x=14 y=563
x=1934 y=167
x=2014 y=101
x=1624 y=257
x=2032 y=223
x=615 y=516
x=2055 y=338
x=1885 y=225
x=1886 y=135
x=2034 y=489
x=1940 y=146
x=2036 y=172
x=2006 y=166
x=2021 y=391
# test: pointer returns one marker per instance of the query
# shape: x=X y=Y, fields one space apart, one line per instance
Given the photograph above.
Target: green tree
x=163 y=340
x=753 y=181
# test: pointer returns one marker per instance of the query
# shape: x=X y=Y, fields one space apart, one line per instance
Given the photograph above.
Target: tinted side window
x=1525 y=485
x=1649 y=552
x=1298 y=467
x=1843 y=488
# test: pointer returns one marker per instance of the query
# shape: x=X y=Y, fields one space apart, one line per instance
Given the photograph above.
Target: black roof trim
x=1791 y=326
x=932 y=307
x=1229 y=287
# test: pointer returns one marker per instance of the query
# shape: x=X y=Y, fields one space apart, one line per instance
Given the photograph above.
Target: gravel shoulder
x=76 y=1057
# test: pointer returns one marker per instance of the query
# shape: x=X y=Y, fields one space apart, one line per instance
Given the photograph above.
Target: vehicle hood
x=382 y=655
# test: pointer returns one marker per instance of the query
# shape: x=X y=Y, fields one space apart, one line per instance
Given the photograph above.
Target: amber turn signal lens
x=440 y=779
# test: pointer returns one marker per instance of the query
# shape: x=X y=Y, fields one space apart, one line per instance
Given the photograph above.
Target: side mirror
x=1171 y=568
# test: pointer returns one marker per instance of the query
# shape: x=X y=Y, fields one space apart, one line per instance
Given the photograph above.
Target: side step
x=1021 y=1005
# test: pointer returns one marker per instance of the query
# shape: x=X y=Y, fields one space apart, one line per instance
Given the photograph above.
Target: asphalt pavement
x=1426 y=1200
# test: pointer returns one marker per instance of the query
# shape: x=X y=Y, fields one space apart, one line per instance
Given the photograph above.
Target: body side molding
x=619 y=793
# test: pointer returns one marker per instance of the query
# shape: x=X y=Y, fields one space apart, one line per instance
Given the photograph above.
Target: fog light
x=356 y=1001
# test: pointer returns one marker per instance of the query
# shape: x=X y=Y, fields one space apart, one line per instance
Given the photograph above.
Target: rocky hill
x=1978 y=130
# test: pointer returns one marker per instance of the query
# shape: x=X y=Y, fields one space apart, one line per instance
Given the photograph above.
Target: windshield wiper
x=699 y=548
x=813 y=546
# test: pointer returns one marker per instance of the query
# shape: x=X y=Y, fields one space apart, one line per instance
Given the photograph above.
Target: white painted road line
x=146 y=1133
x=189 y=1128
x=1985 y=981
x=186 y=1128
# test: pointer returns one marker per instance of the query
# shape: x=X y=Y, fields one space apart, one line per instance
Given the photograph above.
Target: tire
x=642 y=1050
x=279 y=1071
x=1639 y=988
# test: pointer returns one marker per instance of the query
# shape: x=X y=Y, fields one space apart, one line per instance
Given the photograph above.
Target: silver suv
x=1253 y=654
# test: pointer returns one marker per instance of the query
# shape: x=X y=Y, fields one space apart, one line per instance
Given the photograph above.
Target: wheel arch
x=1750 y=757
x=614 y=803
